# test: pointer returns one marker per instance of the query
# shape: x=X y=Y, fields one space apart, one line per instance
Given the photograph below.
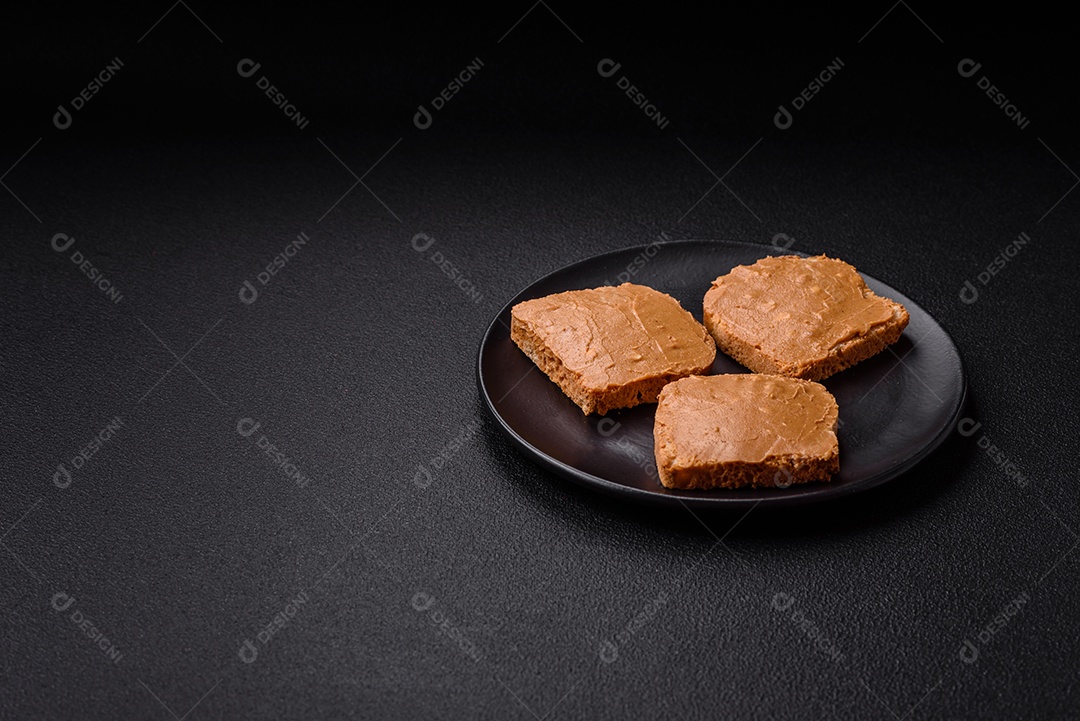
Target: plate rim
x=719 y=502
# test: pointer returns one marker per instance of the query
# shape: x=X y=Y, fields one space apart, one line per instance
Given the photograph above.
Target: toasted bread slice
x=611 y=347
x=800 y=317
x=745 y=430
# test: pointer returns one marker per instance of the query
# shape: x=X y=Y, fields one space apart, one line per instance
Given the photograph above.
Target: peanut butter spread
x=744 y=418
x=612 y=336
x=796 y=309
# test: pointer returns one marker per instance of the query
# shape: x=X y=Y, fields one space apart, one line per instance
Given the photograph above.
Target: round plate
x=895 y=408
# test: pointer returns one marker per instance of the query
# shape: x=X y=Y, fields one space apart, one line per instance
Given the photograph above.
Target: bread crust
x=601 y=400
x=780 y=472
x=712 y=460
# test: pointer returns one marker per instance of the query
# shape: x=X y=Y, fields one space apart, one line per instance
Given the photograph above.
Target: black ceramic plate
x=895 y=408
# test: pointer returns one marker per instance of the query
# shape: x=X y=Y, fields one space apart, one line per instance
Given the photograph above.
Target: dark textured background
x=180 y=540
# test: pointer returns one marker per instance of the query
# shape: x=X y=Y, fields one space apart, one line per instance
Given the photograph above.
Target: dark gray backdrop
x=399 y=559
